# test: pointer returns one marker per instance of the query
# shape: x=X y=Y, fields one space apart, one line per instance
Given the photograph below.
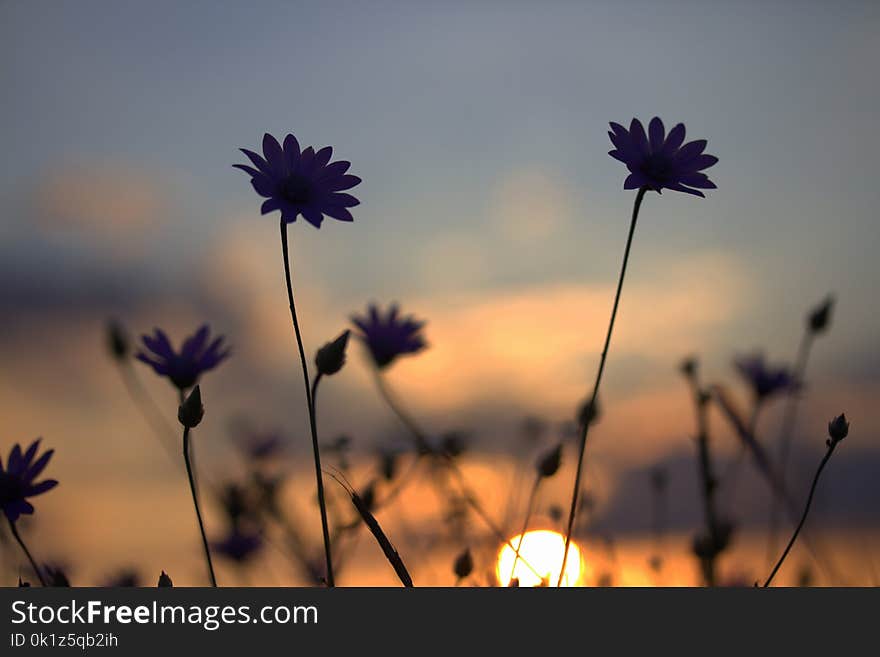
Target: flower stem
x=708 y=482
x=586 y=426
x=831 y=445
x=319 y=477
x=27 y=552
x=192 y=487
x=529 y=508
x=312 y=424
x=785 y=434
x=424 y=448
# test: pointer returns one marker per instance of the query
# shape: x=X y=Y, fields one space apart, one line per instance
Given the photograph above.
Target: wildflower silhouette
x=197 y=355
x=764 y=380
x=838 y=429
x=656 y=161
x=818 y=321
x=238 y=545
x=389 y=336
x=302 y=182
x=190 y=415
x=17 y=483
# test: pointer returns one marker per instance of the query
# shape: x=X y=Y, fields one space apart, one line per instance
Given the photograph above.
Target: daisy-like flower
x=765 y=380
x=301 y=182
x=17 y=480
x=659 y=161
x=389 y=336
x=196 y=356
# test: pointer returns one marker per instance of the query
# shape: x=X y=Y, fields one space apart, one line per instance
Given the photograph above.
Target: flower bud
x=588 y=413
x=191 y=410
x=164 y=580
x=464 y=564
x=548 y=464
x=331 y=357
x=838 y=429
x=117 y=340
x=688 y=367
x=820 y=317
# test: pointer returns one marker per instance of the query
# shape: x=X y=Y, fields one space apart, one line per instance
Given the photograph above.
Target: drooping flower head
x=659 y=161
x=764 y=380
x=301 y=182
x=197 y=355
x=17 y=480
x=239 y=545
x=389 y=336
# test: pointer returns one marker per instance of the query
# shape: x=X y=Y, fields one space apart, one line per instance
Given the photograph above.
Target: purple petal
x=676 y=187
x=42 y=487
x=690 y=151
x=674 y=139
x=194 y=344
x=343 y=199
x=338 y=213
x=291 y=152
x=39 y=465
x=274 y=155
x=333 y=170
x=270 y=206
x=312 y=216
x=698 y=163
x=639 y=139
x=699 y=180
x=342 y=182
x=634 y=181
x=322 y=157
x=258 y=161
x=657 y=134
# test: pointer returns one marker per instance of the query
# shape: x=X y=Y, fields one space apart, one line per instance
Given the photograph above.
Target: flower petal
x=657 y=134
x=634 y=181
x=338 y=213
x=311 y=215
x=274 y=155
x=291 y=152
x=637 y=134
x=342 y=182
x=343 y=199
x=674 y=139
x=690 y=151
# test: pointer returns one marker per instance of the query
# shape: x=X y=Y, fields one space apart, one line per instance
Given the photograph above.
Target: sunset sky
x=489 y=207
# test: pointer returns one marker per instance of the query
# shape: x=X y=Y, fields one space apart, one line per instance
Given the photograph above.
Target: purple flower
x=659 y=161
x=390 y=336
x=764 y=379
x=301 y=183
x=17 y=480
x=183 y=369
x=239 y=546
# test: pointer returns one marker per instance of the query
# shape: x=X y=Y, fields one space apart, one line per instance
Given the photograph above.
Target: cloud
x=111 y=202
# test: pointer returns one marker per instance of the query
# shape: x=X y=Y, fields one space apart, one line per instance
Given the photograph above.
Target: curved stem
x=192 y=487
x=424 y=448
x=785 y=434
x=319 y=478
x=27 y=553
x=831 y=445
x=529 y=508
x=586 y=427
x=707 y=480
x=312 y=424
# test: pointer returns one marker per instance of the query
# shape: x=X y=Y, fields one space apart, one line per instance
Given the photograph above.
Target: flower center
x=296 y=189
x=658 y=166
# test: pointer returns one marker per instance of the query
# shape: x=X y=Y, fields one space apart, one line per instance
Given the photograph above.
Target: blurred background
x=489 y=208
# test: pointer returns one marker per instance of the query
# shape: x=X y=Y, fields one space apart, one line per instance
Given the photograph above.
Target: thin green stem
x=27 y=553
x=319 y=478
x=312 y=424
x=831 y=445
x=586 y=425
x=192 y=487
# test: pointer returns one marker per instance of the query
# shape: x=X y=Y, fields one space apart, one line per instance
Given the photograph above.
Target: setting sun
x=540 y=558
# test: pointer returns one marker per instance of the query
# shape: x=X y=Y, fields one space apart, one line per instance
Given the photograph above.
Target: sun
x=540 y=558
